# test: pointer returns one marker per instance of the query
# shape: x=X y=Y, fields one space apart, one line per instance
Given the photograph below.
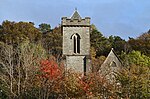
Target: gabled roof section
x=111 y=64
x=76 y=15
x=112 y=50
x=112 y=56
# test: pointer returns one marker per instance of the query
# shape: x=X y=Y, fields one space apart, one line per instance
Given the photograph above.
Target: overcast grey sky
x=124 y=18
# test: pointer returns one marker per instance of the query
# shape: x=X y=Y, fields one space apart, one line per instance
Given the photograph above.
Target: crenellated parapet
x=75 y=22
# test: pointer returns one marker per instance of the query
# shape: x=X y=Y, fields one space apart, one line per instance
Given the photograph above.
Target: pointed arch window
x=76 y=43
x=113 y=64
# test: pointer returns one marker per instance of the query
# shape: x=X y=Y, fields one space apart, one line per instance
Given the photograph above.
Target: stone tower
x=76 y=42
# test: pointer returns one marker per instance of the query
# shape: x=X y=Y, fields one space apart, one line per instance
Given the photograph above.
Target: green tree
x=134 y=82
x=100 y=43
x=142 y=43
x=96 y=61
x=15 y=33
x=117 y=43
x=135 y=57
x=52 y=41
x=44 y=27
x=134 y=77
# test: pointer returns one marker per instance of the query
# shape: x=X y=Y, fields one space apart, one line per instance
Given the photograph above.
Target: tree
x=44 y=28
x=52 y=42
x=15 y=33
x=50 y=69
x=50 y=79
x=100 y=43
x=142 y=43
x=117 y=43
x=100 y=87
x=72 y=87
x=135 y=57
x=16 y=68
x=96 y=61
x=134 y=82
x=134 y=78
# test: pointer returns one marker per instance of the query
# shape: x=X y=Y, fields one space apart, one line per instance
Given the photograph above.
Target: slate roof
x=76 y=15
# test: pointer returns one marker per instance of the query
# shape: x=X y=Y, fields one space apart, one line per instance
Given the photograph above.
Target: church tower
x=76 y=42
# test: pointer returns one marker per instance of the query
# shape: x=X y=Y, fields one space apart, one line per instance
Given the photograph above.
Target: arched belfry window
x=76 y=43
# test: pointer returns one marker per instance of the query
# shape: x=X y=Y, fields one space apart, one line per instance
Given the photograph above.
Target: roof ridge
x=112 y=49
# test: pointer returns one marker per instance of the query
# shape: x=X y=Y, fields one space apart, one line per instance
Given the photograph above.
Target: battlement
x=75 y=22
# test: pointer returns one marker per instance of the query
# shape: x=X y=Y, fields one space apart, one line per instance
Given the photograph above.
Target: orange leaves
x=85 y=85
x=50 y=69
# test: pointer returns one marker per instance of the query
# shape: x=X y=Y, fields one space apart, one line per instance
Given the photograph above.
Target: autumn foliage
x=27 y=70
x=85 y=85
x=50 y=69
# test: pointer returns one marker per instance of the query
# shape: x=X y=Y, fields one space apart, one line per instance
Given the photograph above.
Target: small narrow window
x=78 y=45
x=74 y=41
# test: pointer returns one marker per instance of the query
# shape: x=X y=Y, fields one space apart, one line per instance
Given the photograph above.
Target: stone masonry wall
x=76 y=25
x=75 y=63
x=68 y=42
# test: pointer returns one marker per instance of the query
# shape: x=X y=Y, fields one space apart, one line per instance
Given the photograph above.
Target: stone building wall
x=84 y=41
x=78 y=62
x=111 y=65
x=75 y=63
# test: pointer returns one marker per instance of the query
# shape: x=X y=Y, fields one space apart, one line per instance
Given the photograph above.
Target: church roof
x=76 y=15
x=108 y=66
x=112 y=56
